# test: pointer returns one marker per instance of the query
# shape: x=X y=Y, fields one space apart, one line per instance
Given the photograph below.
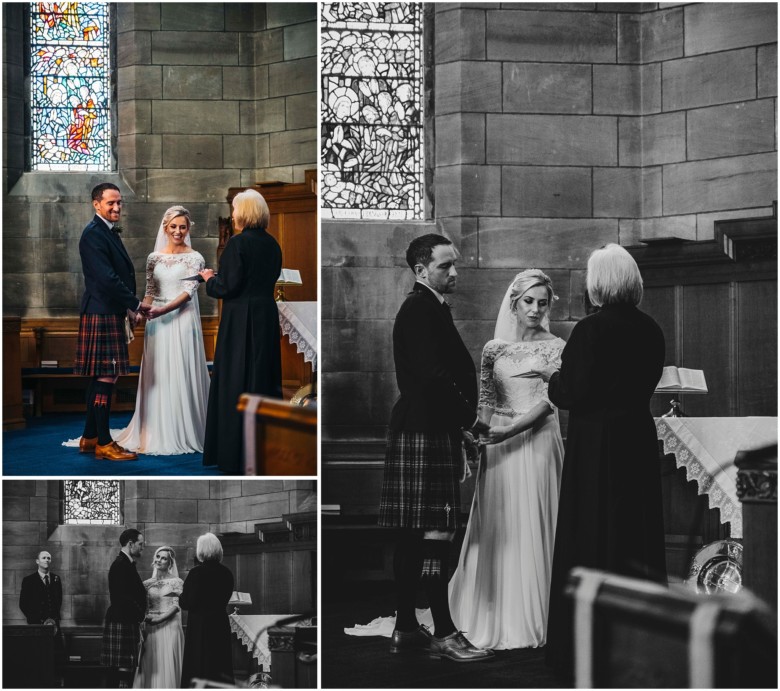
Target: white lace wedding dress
x=163 y=647
x=173 y=385
x=500 y=589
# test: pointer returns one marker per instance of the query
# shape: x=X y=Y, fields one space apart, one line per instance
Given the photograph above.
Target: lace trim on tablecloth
x=300 y=342
x=729 y=512
x=248 y=641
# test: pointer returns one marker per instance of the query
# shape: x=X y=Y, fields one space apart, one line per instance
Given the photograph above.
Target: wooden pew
x=279 y=438
x=28 y=656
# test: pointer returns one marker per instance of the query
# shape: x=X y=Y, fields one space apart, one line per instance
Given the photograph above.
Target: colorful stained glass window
x=373 y=163
x=91 y=502
x=70 y=84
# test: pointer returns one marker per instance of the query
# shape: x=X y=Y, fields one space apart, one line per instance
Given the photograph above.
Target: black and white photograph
x=160 y=284
x=159 y=584
x=549 y=384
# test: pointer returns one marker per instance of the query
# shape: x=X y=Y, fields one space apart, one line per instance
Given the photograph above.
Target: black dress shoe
x=418 y=641
x=455 y=647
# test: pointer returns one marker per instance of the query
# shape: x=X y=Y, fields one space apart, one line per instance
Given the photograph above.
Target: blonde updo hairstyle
x=250 y=210
x=175 y=212
x=526 y=280
x=613 y=277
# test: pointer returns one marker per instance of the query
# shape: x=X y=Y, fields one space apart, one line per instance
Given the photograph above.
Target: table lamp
x=288 y=277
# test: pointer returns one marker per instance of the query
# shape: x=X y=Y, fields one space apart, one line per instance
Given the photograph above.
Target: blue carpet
x=38 y=450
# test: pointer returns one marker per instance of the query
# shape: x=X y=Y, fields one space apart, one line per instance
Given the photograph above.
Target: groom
x=109 y=295
x=423 y=461
x=127 y=595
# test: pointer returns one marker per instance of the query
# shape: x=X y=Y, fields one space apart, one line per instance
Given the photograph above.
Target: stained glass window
x=70 y=86
x=372 y=110
x=91 y=502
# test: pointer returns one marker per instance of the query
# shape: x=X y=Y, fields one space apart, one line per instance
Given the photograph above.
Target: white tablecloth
x=706 y=447
x=247 y=626
x=299 y=323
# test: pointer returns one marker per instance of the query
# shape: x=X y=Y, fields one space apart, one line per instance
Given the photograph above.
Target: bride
x=173 y=385
x=161 y=659
x=501 y=586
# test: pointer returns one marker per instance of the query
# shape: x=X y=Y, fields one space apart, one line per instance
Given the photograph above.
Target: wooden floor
x=364 y=662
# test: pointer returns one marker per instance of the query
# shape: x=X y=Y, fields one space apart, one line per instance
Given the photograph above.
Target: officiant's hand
x=206 y=274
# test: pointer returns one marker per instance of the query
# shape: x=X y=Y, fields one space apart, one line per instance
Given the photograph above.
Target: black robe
x=207 y=650
x=610 y=511
x=248 y=357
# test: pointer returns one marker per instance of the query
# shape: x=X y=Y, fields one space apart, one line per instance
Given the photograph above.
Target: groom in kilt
x=109 y=295
x=127 y=609
x=423 y=462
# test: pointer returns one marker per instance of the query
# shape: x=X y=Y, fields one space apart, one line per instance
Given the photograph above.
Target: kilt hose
x=421 y=485
x=120 y=645
x=101 y=350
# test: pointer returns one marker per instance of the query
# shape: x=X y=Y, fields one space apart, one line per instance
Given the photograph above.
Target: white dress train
x=163 y=647
x=173 y=384
x=499 y=592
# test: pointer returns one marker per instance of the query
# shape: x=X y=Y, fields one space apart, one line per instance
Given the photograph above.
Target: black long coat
x=33 y=598
x=434 y=370
x=248 y=356
x=205 y=595
x=610 y=512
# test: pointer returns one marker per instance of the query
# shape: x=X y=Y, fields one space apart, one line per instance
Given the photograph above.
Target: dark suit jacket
x=126 y=592
x=109 y=276
x=32 y=599
x=434 y=370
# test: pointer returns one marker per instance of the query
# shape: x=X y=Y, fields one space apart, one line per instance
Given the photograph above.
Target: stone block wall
x=209 y=96
x=558 y=127
x=166 y=512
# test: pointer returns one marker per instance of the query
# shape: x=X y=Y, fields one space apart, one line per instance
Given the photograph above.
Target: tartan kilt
x=120 y=644
x=421 y=485
x=101 y=350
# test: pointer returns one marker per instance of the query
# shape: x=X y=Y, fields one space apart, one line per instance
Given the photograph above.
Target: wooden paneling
x=716 y=302
x=756 y=354
x=12 y=380
x=707 y=329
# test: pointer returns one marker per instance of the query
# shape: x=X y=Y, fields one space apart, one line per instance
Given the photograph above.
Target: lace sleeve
x=487 y=388
x=152 y=289
x=195 y=262
x=552 y=357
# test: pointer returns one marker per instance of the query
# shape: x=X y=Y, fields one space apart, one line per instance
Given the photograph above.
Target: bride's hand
x=495 y=435
x=544 y=372
x=155 y=312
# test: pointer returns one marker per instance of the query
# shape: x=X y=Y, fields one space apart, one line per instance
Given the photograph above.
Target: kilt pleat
x=421 y=484
x=101 y=350
x=120 y=644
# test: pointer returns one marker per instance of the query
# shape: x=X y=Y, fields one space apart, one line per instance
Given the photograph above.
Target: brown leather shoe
x=87 y=445
x=114 y=452
x=455 y=647
x=417 y=641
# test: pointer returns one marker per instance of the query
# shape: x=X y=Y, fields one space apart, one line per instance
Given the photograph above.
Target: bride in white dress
x=173 y=384
x=500 y=589
x=161 y=659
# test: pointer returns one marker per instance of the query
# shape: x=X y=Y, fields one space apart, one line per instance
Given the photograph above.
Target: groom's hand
x=144 y=308
x=479 y=428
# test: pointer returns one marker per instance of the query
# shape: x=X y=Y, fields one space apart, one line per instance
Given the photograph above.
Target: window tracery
x=91 y=502
x=70 y=86
x=372 y=110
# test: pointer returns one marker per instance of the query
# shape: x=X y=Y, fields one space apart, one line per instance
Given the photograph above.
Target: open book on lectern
x=682 y=380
